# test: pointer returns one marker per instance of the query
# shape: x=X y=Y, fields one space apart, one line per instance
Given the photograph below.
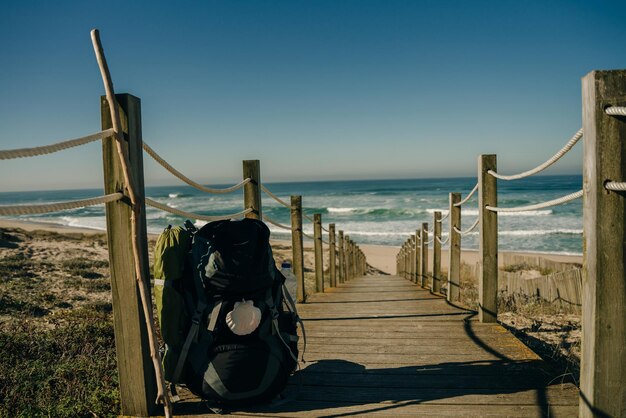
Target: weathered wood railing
x=603 y=363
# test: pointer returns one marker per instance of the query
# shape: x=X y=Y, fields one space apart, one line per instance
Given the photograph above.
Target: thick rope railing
x=191 y=215
x=325 y=229
x=556 y=157
x=547 y=204
x=307 y=217
x=616 y=110
x=307 y=235
x=443 y=242
x=156 y=157
x=615 y=186
x=52 y=148
x=468 y=197
x=468 y=230
x=56 y=207
x=273 y=222
x=430 y=241
x=273 y=196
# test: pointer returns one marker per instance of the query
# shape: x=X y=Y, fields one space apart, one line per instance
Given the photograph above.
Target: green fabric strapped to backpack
x=171 y=250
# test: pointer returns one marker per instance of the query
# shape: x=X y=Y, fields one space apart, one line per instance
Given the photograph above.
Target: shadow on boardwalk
x=347 y=388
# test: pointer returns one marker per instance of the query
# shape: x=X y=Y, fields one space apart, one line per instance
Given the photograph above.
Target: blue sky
x=315 y=90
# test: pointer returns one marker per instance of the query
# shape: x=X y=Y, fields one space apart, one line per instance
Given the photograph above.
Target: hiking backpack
x=227 y=320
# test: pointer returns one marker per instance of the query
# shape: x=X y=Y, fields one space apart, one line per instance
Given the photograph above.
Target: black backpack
x=228 y=274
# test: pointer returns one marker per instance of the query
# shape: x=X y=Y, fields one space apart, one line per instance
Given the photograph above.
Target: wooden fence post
x=418 y=257
x=346 y=250
x=424 y=255
x=410 y=256
x=454 y=249
x=488 y=246
x=319 y=256
x=603 y=358
x=342 y=260
x=437 y=253
x=252 y=190
x=137 y=380
x=297 y=247
x=352 y=264
x=331 y=255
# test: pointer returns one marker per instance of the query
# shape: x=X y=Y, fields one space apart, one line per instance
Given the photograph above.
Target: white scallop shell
x=244 y=318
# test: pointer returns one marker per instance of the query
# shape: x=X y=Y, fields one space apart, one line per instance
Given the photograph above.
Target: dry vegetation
x=549 y=330
x=56 y=330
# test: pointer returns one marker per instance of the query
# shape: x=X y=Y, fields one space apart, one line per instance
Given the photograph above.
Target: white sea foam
x=174 y=195
x=341 y=210
x=95 y=222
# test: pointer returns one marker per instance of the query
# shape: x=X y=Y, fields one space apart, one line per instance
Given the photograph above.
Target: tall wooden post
x=454 y=249
x=319 y=257
x=418 y=257
x=437 y=253
x=297 y=247
x=346 y=257
x=352 y=265
x=342 y=259
x=252 y=190
x=424 y=255
x=331 y=255
x=136 y=374
x=411 y=257
x=603 y=359
x=488 y=246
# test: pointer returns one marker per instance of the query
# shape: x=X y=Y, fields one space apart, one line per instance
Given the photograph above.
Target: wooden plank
x=454 y=249
x=411 y=409
x=424 y=256
x=252 y=190
x=331 y=255
x=554 y=395
x=603 y=362
x=437 y=252
x=297 y=247
x=488 y=242
x=341 y=257
x=136 y=374
x=319 y=257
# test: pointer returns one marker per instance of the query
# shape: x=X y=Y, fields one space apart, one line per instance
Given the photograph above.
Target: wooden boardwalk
x=382 y=345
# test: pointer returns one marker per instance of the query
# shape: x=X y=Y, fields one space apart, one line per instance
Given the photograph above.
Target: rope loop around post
x=468 y=197
x=468 y=230
x=444 y=241
x=556 y=157
x=615 y=186
x=616 y=111
x=443 y=218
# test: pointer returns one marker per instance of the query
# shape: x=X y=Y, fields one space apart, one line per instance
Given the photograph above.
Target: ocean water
x=370 y=211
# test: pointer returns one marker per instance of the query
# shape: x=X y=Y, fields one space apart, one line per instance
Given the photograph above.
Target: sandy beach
x=381 y=257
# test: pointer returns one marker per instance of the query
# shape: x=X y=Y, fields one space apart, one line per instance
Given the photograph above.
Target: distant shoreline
x=380 y=256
